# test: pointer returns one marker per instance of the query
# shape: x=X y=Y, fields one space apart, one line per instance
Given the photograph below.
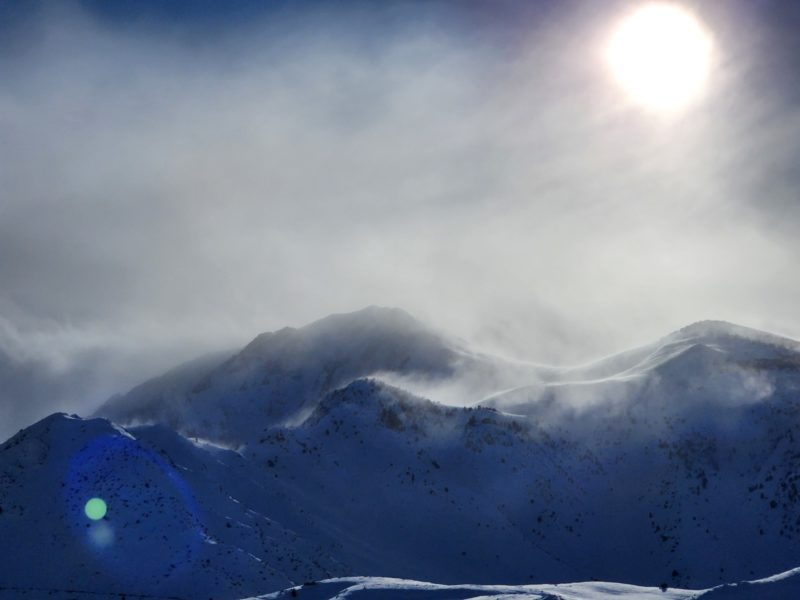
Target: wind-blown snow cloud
x=165 y=193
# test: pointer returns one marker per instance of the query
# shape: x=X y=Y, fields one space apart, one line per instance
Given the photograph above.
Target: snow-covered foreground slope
x=785 y=586
x=673 y=464
x=381 y=588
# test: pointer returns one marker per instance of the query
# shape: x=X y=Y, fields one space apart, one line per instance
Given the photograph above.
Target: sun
x=661 y=56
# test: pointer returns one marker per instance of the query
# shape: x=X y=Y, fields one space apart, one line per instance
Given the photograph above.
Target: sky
x=176 y=177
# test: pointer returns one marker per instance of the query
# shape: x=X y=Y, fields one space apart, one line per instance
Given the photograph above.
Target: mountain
x=279 y=377
x=711 y=370
x=175 y=524
x=674 y=464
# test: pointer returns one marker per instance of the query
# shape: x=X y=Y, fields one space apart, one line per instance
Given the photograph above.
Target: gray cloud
x=164 y=195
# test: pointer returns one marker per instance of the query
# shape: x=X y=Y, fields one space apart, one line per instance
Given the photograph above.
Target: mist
x=168 y=192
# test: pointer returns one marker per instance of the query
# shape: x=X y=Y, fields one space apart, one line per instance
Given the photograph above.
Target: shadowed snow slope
x=674 y=464
x=174 y=525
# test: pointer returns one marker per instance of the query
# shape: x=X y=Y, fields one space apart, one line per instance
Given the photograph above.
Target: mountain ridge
x=441 y=356
x=678 y=467
x=279 y=376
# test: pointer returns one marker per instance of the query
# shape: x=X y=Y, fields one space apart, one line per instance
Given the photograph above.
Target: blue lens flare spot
x=95 y=509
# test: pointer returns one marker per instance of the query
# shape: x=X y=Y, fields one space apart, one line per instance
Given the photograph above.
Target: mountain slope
x=785 y=586
x=707 y=370
x=476 y=491
x=673 y=464
x=383 y=588
x=173 y=525
x=280 y=376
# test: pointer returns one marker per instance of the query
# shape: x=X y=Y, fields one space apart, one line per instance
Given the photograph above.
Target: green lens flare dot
x=95 y=509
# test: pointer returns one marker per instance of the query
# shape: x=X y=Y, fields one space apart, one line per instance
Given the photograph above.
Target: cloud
x=167 y=192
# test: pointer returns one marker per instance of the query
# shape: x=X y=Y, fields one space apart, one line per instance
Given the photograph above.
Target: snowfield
x=785 y=586
x=317 y=453
x=368 y=588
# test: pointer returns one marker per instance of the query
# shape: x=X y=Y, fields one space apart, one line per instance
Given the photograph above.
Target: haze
x=172 y=186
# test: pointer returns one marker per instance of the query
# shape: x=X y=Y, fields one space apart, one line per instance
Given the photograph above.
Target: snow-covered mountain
x=707 y=362
x=280 y=376
x=174 y=523
x=674 y=464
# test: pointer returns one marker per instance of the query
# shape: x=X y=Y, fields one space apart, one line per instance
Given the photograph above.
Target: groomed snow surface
x=785 y=586
x=378 y=588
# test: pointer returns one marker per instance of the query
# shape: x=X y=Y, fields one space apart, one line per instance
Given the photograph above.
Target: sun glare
x=661 y=55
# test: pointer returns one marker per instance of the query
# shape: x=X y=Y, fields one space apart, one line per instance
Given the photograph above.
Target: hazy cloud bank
x=165 y=193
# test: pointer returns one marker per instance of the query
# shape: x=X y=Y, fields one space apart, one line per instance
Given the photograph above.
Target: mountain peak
x=371 y=318
x=715 y=330
x=58 y=424
x=280 y=376
x=354 y=335
x=715 y=327
x=372 y=315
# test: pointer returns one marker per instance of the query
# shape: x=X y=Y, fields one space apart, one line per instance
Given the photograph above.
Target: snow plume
x=756 y=386
x=474 y=378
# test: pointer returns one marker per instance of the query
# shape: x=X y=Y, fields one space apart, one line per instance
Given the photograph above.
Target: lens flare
x=95 y=509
